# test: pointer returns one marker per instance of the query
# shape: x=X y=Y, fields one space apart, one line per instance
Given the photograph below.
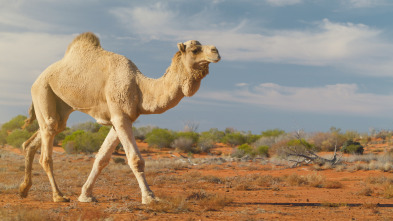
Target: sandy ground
x=210 y=187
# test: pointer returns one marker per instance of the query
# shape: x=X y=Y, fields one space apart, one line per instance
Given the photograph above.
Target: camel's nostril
x=214 y=50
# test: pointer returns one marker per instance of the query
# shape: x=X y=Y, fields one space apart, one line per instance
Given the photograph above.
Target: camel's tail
x=31 y=118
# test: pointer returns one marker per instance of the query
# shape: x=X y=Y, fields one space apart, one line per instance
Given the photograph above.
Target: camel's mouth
x=214 y=60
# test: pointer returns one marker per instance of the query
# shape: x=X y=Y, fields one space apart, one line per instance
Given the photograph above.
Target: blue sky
x=288 y=64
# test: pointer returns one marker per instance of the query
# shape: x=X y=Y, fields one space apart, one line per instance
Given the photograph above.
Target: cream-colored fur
x=111 y=89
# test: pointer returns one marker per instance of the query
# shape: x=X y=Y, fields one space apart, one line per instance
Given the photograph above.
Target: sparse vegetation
x=353 y=147
x=160 y=138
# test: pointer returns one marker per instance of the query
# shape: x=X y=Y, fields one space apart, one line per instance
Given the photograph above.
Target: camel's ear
x=181 y=47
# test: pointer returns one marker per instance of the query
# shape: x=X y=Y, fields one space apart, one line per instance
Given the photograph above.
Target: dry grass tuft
x=333 y=184
x=169 y=204
x=215 y=202
x=315 y=180
x=21 y=213
x=365 y=191
x=295 y=180
x=388 y=191
x=312 y=180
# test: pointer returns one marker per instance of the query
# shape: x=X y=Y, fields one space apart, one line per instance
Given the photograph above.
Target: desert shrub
x=251 y=151
x=333 y=184
x=17 y=137
x=251 y=138
x=237 y=153
x=206 y=142
x=60 y=136
x=82 y=141
x=234 y=139
x=262 y=151
x=313 y=180
x=193 y=136
x=383 y=134
x=351 y=135
x=15 y=123
x=87 y=126
x=215 y=202
x=388 y=191
x=184 y=144
x=3 y=136
x=330 y=140
x=247 y=149
x=208 y=139
x=160 y=138
x=353 y=147
x=215 y=134
x=272 y=133
x=140 y=133
x=294 y=147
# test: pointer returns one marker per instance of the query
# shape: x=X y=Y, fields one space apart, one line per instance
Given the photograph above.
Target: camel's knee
x=46 y=162
x=137 y=164
x=51 y=126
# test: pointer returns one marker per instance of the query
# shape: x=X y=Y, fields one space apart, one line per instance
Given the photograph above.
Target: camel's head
x=196 y=56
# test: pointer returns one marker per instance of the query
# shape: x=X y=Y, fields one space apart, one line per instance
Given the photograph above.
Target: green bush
x=272 y=133
x=184 y=144
x=251 y=138
x=61 y=136
x=160 y=138
x=234 y=139
x=189 y=134
x=82 y=141
x=352 y=147
x=140 y=133
x=207 y=141
x=88 y=126
x=15 y=123
x=3 y=137
x=17 y=137
x=246 y=149
x=262 y=151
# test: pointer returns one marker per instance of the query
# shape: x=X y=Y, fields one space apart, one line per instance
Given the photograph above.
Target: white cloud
x=329 y=99
x=24 y=57
x=366 y=3
x=241 y=84
x=356 y=47
x=12 y=15
x=280 y=3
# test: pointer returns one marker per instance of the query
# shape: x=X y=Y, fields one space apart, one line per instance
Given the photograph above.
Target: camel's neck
x=159 y=95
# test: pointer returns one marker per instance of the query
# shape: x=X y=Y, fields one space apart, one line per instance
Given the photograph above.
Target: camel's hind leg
x=51 y=122
x=102 y=159
x=30 y=147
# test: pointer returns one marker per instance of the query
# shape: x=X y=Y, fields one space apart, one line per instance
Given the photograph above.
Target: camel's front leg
x=123 y=128
x=102 y=159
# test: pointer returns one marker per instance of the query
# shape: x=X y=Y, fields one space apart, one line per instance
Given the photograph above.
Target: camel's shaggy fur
x=111 y=89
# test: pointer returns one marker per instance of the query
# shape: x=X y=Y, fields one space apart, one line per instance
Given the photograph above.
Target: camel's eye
x=195 y=51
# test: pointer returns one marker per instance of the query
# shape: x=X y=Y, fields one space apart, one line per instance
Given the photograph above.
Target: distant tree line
x=87 y=138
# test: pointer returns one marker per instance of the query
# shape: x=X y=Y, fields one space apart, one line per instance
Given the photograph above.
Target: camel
x=111 y=89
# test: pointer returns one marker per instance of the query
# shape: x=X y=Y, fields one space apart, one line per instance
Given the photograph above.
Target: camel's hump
x=85 y=38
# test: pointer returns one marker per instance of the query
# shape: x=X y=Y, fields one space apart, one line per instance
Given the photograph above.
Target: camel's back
x=86 y=71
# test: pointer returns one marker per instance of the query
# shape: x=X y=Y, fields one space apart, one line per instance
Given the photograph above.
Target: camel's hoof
x=85 y=199
x=149 y=199
x=24 y=190
x=61 y=199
